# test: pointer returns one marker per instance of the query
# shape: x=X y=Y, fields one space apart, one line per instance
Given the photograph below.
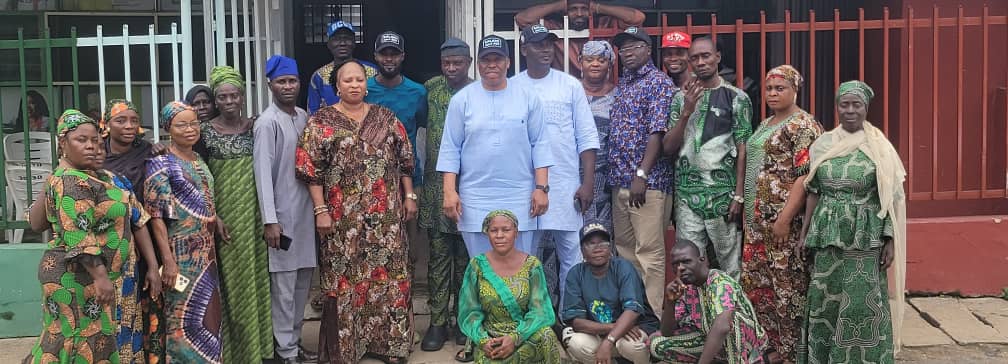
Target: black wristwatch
x=544 y=188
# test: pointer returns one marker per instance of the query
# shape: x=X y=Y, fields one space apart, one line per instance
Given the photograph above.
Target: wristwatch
x=544 y=188
x=643 y=175
x=411 y=196
x=611 y=339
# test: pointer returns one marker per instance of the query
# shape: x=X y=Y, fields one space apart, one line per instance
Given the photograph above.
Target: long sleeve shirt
x=283 y=199
x=571 y=127
x=494 y=141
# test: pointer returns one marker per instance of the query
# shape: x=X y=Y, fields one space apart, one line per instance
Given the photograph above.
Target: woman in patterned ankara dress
x=855 y=229
x=775 y=277
x=126 y=154
x=180 y=200
x=358 y=162
x=83 y=271
x=504 y=307
x=244 y=261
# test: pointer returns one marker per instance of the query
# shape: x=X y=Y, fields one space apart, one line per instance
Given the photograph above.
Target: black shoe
x=294 y=360
x=435 y=337
x=460 y=338
x=306 y=356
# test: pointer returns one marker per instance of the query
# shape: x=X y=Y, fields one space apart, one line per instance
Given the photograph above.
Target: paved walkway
x=936 y=330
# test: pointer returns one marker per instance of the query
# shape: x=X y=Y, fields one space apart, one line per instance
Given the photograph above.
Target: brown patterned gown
x=364 y=263
x=773 y=277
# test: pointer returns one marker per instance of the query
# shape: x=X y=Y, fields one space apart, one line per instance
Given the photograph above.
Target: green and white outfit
x=705 y=171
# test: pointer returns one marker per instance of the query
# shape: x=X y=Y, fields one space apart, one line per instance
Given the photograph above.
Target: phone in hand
x=181 y=282
x=285 y=242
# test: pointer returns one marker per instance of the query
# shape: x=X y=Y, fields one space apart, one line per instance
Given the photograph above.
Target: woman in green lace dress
x=244 y=266
x=777 y=160
x=504 y=307
x=856 y=226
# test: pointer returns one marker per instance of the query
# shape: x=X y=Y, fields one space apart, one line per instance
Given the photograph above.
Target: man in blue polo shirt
x=389 y=88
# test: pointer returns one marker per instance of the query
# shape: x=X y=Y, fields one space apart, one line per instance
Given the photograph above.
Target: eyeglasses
x=627 y=50
x=195 y=124
x=596 y=245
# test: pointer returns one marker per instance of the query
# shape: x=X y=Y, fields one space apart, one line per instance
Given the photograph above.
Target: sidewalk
x=936 y=330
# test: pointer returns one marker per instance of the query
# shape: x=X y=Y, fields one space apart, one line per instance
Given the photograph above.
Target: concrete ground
x=936 y=330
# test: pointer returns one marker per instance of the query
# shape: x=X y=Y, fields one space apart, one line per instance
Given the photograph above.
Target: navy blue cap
x=389 y=39
x=631 y=33
x=492 y=44
x=536 y=33
x=337 y=25
x=594 y=228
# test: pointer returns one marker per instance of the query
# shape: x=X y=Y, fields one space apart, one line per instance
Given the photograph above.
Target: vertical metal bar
x=101 y=70
x=713 y=29
x=959 y=101
x=860 y=29
x=24 y=108
x=836 y=59
x=885 y=70
x=934 y=101
x=689 y=24
x=517 y=49
x=984 y=24
x=249 y=98
x=187 y=45
x=739 y=76
x=209 y=40
x=235 y=60
x=787 y=36
x=74 y=71
x=269 y=32
x=47 y=66
x=221 y=33
x=566 y=43
x=911 y=91
x=176 y=92
x=127 y=79
x=260 y=53
x=762 y=57
x=812 y=63
x=152 y=46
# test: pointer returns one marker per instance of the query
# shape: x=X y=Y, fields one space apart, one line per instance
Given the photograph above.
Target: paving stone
x=956 y=320
x=917 y=332
x=994 y=311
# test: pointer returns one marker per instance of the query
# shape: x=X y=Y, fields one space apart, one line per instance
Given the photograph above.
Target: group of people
x=785 y=234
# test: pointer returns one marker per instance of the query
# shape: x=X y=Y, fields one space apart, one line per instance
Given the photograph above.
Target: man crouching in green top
x=712 y=318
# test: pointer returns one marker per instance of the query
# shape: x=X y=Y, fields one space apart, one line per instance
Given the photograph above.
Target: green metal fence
x=46 y=45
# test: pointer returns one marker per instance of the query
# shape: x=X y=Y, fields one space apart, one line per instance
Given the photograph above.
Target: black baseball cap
x=389 y=39
x=535 y=33
x=631 y=33
x=594 y=228
x=492 y=44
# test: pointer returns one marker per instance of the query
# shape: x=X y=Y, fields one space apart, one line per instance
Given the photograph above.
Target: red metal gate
x=941 y=90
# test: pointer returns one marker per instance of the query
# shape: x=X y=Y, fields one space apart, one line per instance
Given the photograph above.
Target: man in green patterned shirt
x=709 y=123
x=448 y=256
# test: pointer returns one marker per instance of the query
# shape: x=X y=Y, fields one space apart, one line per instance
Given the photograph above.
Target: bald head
x=704 y=58
x=688 y=263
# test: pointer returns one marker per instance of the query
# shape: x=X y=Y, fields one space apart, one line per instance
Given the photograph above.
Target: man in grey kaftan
x=286 y=208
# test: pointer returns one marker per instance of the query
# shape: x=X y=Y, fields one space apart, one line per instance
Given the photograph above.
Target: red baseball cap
x=676 y=39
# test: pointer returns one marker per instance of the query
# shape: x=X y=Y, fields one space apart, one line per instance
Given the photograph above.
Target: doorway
x=421 y=23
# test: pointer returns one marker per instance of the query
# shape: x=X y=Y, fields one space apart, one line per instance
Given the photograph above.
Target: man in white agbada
x=574 y=139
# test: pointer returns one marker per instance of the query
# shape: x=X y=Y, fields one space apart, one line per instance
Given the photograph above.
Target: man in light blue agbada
x=495 y=152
